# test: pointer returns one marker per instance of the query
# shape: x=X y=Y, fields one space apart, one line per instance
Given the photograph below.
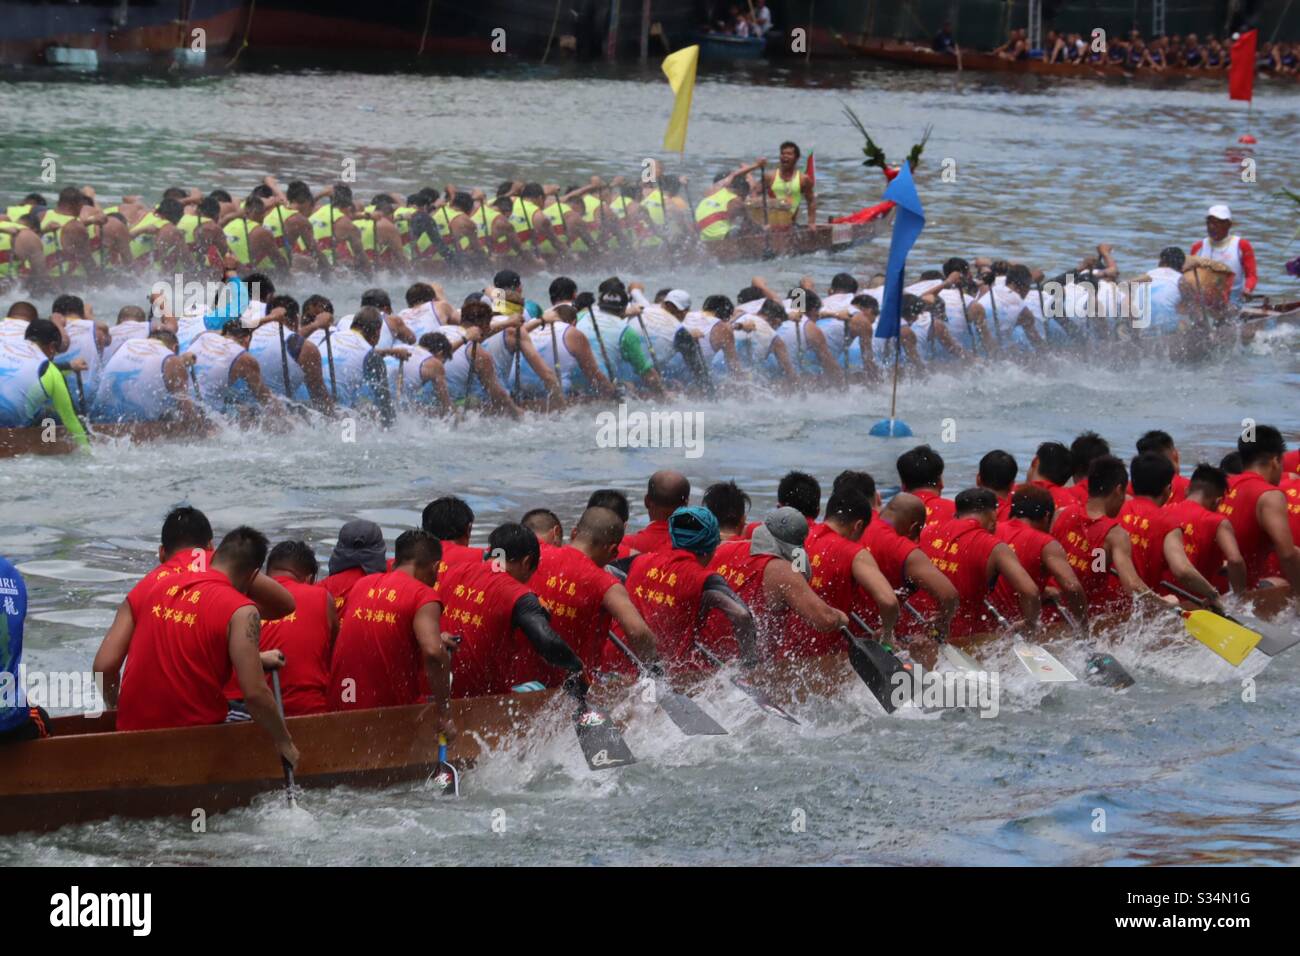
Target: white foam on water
x=93 y=618
x=73 y=571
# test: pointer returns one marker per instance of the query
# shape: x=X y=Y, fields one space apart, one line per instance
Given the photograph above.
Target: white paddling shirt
x=214 y=354
x=121 y=333
x=265 y=347
x=421 y=320
x=571 y=377
x=132 y=387
x=350 y=351
x=81 y=345
x=415 y=389
x=1235 y=253
x=22 y=395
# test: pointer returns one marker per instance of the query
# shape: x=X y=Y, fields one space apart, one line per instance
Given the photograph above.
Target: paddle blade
x=958 y=658
x=1042 y=665
x=1105 y=670
x=879 y=670
x=445 y=779
x=1226 y=638
x=602 y=744
x=1274 y=642
x=689 y=717
x=760 y=697
x=890 y=428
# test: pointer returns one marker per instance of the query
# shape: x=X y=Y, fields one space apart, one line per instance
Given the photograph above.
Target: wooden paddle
x=753 y=692
x=290 y=787
x=1272 y=640
x=689 y=717
x=1041 y=665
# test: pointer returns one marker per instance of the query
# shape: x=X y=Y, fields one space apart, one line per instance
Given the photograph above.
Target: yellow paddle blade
x=1226 y=638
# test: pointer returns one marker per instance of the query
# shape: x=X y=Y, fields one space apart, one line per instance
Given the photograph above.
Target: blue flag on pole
x=909 y=220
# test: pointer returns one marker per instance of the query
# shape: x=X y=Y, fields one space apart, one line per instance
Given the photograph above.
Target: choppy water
x=1185 y=770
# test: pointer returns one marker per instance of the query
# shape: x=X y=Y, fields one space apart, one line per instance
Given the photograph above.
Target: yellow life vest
x=653 y=207
x=555 y=213
x=237 y=233
x=142 y=242
x=275 y=220
x=322 y=228
x=788 y=191
x=521 y=217
x=402 y=218
x=711 y=216
x=17 y=212
x=53 y=243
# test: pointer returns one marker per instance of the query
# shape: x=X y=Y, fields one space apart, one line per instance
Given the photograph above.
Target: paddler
x=1025 y=531
x=1095 y=542
x=185 y=546
x=335 y=233
x=788 y=185
x=485 y=603
x=305 y=637
x=146 y=380
x=965 y=548
x=1208 y=537
x=722 y=211
x=1084 y=450
x=665 y=493
x=195 y=630
x=1257 y=509
x=451 y=521
x=86 y=339
x=842 y=571
x=1158 y=549
x=359 y=551
x=785 y=608
x=1051 y=470
x=892 y=540
x=583 y=599
x=1162 y=443
x=730 y=506
x=473 y=369
x=226 y=374
x=997 y=472
x=1233 y=251
x=17 y=723
x=32 y=388
x=673 y=590
x=617 y=344
x=546 y=524
x=390 y=650
x=920 y=473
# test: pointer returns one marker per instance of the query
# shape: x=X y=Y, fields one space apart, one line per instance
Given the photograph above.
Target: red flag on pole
x=810 y=168
x=1241 y=74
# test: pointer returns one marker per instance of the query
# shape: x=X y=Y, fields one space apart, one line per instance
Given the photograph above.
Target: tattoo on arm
x=253 y=630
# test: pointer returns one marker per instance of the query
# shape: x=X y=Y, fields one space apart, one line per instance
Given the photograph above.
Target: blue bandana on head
x=694 y=530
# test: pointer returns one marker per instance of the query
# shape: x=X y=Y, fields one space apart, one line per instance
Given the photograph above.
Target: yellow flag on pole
x=679 y=67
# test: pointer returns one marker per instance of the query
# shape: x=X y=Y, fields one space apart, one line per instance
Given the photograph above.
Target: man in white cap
x=1233 y=251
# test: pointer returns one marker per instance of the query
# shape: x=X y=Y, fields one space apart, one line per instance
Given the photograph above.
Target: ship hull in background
x=107 y=34
x=460 y=29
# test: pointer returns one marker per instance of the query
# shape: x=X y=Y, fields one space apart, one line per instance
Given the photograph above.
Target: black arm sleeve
x=531 y=618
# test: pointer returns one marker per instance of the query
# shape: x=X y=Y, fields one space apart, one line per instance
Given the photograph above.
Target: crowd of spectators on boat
x=1134 y=52
x=756 y=21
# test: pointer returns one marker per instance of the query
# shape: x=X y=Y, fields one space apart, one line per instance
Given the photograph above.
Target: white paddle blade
x=958 y=658
x=1041 y=665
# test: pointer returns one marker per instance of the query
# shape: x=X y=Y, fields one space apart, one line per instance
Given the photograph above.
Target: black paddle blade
x=601 y=742
x=760 y=697
x=689 y=717
x=879 y=670
x=445 y=779
x=1103 y=669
